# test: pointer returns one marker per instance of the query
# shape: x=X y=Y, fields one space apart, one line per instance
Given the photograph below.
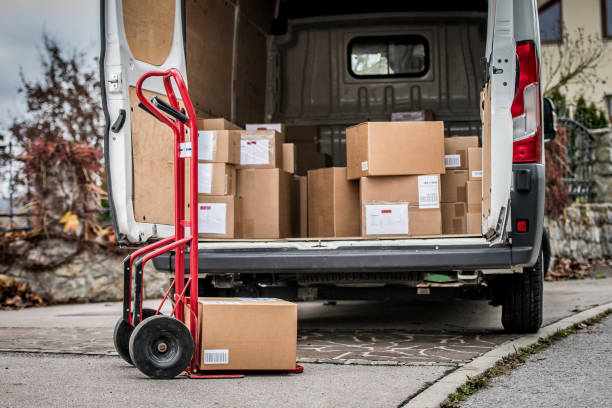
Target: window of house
x=389 y=56
x=551 y=23
x=606 y=18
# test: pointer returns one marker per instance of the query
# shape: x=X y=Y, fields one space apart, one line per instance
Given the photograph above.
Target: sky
x=74 y=24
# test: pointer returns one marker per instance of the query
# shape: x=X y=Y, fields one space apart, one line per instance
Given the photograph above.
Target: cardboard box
x=303 y=187
x=474 y=159
x=474 y=223
x=261 y=149
x=400 y=205
x=289 y=157
x=474 y=206
x=264 y=203
x=453 y=186
x=455 y=151
x=279 y=127
x=333 y=203
x=216 y=179
x=308 y=158
x=219 y=146
x=412 y=116
x=395 y=148
x=454 y=220
x=216 y=217
x=216 y=124
x=247 y=334
x=302 y=134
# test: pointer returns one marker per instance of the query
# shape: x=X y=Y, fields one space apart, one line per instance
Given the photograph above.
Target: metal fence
x=581 y=150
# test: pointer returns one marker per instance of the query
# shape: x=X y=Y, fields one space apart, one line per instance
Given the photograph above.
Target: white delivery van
x=473 y=64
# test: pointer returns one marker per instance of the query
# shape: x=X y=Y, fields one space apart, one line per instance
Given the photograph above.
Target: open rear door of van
x=138 y=36
x=498 y=95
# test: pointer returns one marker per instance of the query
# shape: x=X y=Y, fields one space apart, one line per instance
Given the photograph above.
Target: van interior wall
x=226 y=57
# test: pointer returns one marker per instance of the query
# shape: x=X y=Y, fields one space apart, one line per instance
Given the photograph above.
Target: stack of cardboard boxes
x=402 y=179
x=462 y=186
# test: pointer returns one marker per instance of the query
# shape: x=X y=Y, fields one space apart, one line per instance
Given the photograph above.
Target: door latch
x=114 y=82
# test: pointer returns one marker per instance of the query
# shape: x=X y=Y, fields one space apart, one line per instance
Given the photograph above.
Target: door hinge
x=114 y=82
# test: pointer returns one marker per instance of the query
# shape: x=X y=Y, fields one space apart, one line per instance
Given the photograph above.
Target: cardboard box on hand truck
x=247 y=334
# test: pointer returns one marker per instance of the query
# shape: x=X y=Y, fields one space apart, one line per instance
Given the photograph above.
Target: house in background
x=595 y=18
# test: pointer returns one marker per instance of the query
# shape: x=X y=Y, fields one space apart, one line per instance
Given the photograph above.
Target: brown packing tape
x=459 y=225
x=461 y=193
x=459 y=210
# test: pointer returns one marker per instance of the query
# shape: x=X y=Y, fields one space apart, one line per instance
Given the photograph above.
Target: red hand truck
x=162 y=346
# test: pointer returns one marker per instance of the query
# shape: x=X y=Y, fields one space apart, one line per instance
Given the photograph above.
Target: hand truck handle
x=163 y=106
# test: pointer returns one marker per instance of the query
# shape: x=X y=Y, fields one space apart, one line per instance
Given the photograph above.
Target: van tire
x=522 y=308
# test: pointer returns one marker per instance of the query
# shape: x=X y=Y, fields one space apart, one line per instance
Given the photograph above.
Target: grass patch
x=509 y=363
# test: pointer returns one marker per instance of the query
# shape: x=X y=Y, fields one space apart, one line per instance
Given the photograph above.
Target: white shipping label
x=185 y=149
x=212 y=218
x=476 y=173
x=364 y=165
x=452 y=160
x=386 y=219
x=254 y=151
x=216 y=356
x=428 y=192
x=206 y=144
x=205 y=177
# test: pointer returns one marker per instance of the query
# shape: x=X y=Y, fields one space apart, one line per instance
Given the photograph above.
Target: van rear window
x=388 y=56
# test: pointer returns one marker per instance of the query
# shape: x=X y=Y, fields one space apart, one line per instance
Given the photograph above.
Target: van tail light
x=526 y=107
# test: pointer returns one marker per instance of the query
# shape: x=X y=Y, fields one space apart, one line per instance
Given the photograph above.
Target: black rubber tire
x=522 y=308
x=546 y=251
x=145 y=353
x=122 y=333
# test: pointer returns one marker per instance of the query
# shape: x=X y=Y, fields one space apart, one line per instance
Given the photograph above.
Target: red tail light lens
x=526 y=107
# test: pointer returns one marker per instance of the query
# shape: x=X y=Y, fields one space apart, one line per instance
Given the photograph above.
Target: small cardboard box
x=455 y=151
x=289 y=157
x=453 y=186
x=264 y=203
x=216 y=179
x=395 y=148
x=216 y=218
x=303 y=186
x=474 y=159
x=279 y=127
x=454 y=218
x=333 y=203
x=400 y=205
x=247 y=334
x=412 y=116
x=219 y=146
x=261 y=149
x=216 y=124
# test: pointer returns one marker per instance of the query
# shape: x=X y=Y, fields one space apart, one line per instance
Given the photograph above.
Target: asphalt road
x=574 y=372
x=396 y=349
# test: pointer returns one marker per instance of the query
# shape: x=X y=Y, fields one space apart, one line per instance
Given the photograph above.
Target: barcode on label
x=452 y=160
x=428 y=192
x=219 y=356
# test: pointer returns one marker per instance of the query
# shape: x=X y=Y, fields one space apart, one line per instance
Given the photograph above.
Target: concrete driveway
x=354 y=354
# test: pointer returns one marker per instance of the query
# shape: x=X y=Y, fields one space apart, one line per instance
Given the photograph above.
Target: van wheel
x=522 y=307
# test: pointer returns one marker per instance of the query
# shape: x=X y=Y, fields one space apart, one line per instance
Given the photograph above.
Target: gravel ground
x=575 y=372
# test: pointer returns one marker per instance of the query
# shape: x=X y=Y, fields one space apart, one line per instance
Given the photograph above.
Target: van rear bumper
x=350 y=259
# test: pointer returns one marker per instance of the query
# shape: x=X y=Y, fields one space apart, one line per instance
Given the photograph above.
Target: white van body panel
x=120 y=64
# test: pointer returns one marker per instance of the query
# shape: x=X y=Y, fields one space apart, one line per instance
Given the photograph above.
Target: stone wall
x=583 y=232
x=602 y=169
x=63 y=271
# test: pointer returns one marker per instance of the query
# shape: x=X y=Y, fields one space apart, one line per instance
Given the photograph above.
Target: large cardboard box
x=455 y=151
x=474 y=206
x=219 y=146
x=264 y=203
x=216 y=179
x=303 y=186
x=216 y=124
x=261 y=149
x=247 y=334
x=454 y=218
x=453 y=186
x=289 y=157
x=400 y=205
x=395 y=148
x=474 y=159
x=216 y=218
x=333 y=203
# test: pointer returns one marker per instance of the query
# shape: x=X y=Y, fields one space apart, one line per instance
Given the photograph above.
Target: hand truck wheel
x=122 y=333
x=161 y=347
